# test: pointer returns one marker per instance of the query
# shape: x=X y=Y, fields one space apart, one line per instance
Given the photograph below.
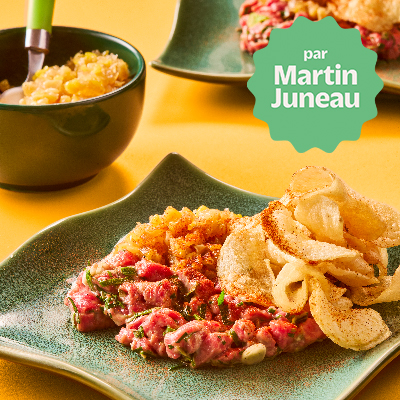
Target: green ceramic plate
x=35 y=326
x=204 y=45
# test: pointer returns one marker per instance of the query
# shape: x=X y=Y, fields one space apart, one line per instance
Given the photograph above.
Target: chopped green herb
x=297 y=319
x=88 y=277
x=144 y=353
x=129 y=271
x=240 y=303
x=223 y=342
x=179 y=366
x=112 y=281
x=110 y=300
x=138 y=350
x=182 y=337
x=139 y=314
x=75 y=315
x=271 y=310
x=170 y=346
x=235 y=338
x=139 y=333
x=186 y=357
x=169 y=329
x=255 y=18
x=147 y=353
x=189 y=336
x=221 y=298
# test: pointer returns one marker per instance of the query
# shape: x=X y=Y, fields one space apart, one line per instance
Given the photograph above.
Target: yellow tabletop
x=211 y=125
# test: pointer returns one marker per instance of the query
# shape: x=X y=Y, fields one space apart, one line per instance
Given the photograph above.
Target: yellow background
x=211 y=125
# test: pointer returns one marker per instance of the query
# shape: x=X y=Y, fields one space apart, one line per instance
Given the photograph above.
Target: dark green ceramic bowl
x=57 y=146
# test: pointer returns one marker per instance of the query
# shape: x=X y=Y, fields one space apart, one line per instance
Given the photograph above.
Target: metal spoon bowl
x=37 y=40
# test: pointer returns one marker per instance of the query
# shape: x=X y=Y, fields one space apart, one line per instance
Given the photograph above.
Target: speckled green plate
x=204 y=45
x=35 y=326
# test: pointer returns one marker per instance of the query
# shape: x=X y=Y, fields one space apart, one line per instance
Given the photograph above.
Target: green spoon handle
x=40 y=14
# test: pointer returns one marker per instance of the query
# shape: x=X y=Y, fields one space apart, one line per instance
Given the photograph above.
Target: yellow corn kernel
x=65 y=99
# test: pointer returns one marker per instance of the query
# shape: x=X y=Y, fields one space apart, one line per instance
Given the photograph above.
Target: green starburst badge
x=315 y=84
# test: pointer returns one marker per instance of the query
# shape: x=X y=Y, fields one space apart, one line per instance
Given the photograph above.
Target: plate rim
x=47 y=363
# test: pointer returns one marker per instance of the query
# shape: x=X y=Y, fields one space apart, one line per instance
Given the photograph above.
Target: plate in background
x=204 y=45
x=35 y=327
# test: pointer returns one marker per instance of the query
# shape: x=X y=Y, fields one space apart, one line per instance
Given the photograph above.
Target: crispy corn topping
x=85 y=76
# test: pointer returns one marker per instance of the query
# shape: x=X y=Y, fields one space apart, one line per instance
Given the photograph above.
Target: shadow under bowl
x=51 y=147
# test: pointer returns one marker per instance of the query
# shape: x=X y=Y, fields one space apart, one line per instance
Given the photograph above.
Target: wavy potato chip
x=291 y=289
x=376 y=15
x=277 y=256
x=363 y=218
x=295 y=283
x=321 y=215
x=243 y=268
x=352 y=272
x=387 y=290
x=372 y=253
x=291 y=238
x=356 y=329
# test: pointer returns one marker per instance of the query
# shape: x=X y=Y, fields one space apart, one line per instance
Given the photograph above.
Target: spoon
x=37 y=40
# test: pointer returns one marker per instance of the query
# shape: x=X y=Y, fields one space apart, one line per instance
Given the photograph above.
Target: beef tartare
x=213 y=287
x=259 y=17
x=160 y=285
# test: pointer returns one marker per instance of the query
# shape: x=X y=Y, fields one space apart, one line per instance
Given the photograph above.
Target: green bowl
x=51 y=147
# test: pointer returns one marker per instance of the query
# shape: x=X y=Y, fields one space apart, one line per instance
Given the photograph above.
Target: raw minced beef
x=160 y=285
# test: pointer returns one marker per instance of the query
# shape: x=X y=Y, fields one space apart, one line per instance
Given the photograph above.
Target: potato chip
x=363 y=218
x=321 y=215
x=372 y=253
x=310 y=180
x=357 y=329
x=290 y=237
x=387 y=290
x=391 y=217
x=296 y=281
x=375 y=15
x=352 y=272
x=243 y=268
x=291 y=289
x=277 y=256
